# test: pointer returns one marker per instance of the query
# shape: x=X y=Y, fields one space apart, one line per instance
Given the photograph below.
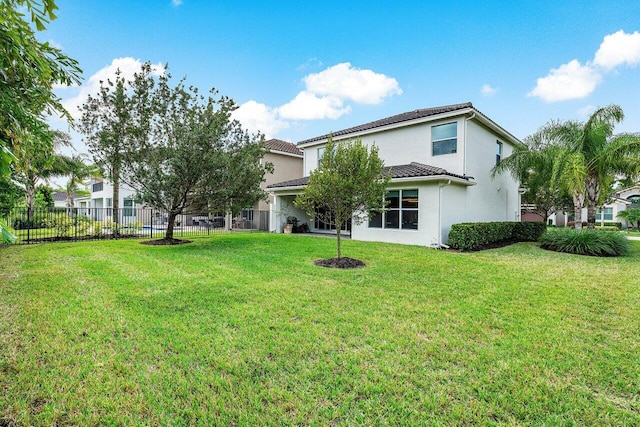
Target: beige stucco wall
x=285 y=168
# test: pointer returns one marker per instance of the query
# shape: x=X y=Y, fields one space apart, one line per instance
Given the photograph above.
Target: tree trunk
x=593 y=194
x=171 y=219
x=578 y=202
x=116 y=200
x=69 y=200
x=30 y=195
x=338 y=227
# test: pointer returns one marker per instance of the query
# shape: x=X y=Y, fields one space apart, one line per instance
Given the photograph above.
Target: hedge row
x=470 y=236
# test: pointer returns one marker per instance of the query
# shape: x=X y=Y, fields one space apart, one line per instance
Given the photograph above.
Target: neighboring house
x=100 y=200
x=622 y=199
x=60 y=199
x=440 y=161
x=287 y=165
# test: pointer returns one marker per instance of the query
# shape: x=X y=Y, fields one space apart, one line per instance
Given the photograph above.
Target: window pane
x=409 y=199
x=393 y=197
x=447 y=146
x=450 y=130
x=376 y=220
x=410 y=220
x=392 y=219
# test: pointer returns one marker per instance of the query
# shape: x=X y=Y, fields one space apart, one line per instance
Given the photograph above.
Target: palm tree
x=591 y=154
x=36 y=160
x=77 y=170
x=580 y=157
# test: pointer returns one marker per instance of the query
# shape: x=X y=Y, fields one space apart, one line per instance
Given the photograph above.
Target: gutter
x=466 y=139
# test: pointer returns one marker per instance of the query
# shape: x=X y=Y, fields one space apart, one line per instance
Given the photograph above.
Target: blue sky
x=302 y=69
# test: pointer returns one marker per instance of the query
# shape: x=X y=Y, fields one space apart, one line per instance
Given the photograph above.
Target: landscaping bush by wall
x=585 y=242
x=528 y=231
x=471 y=236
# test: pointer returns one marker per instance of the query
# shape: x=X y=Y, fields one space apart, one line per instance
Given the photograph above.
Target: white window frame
x=400 y=209
x=440 y=140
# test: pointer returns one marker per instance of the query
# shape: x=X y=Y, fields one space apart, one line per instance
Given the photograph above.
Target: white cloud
x=176 y=3
x=346 y=82
x=308 y=106
x=327 y=96
x=259 y=117
x=586 y=111
x=128 y=67
x=617 y=49
x=569 y=81
x=574 y=80
x=487 y=90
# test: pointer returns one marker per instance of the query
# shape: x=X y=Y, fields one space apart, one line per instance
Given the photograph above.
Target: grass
x=244 y=330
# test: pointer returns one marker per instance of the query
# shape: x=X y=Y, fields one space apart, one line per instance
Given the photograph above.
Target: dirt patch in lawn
x=165 y=241
x=343 y=262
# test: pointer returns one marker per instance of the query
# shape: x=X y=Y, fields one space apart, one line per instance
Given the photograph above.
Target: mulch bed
x=343 y=262
x=164 y=242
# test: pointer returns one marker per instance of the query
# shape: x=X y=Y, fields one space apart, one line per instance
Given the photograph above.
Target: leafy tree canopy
x=348 y=184
x=29 y=69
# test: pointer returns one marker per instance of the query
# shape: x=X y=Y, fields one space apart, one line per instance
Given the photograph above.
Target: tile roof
x=412 y=170
x=410 y=115
x=59 y=196
x=284 y=146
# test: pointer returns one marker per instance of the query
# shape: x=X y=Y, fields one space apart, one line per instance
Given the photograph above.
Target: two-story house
x=440 y=161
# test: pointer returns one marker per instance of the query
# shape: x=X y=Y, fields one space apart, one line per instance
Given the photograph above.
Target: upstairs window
x=498 y=151
x=444 y=139
x=320 y=154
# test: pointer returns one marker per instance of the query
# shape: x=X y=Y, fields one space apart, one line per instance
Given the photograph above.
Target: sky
x=303 y=69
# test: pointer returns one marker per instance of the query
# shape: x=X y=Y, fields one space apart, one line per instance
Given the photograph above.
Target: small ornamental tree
x=348 y=184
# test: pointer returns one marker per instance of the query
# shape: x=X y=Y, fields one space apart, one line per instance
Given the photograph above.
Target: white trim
x=436 y=117
x=284 y=153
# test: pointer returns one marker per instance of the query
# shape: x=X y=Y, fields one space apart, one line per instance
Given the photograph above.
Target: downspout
x=466 y=139
x=440 y=187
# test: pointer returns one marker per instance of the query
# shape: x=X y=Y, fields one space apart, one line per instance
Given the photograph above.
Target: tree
x=184 y=149
x=77 y=170
x=591 y=152
x=28 y=71
x=631 y=215
x=108 y=128
x=348 y=184
x=583 y=157
x=33 y=163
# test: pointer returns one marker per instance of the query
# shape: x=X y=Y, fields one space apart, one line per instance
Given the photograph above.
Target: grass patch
x=245 y=330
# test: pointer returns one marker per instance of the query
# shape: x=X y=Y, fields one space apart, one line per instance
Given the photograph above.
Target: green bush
x=607 y=228
x=470 y=236
x=585 y=242
x=528 y=231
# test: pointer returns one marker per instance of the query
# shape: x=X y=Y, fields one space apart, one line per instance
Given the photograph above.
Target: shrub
x=585 y=242
x=471 y=236
x=607 y=228
x=528 y=231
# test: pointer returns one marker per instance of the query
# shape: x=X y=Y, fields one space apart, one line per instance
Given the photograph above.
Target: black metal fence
x=75 y=224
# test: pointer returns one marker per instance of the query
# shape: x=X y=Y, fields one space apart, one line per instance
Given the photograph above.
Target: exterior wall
x=99 y=198
x=441 y=203
x=403 y=146
x=285 y=168
x=493 y=198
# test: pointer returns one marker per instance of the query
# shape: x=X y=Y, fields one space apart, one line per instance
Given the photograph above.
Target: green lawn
x=244 y=330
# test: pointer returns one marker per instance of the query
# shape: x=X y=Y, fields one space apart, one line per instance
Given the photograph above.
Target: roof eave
x=450 y=179
x=284 y=153
x=433 y=118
